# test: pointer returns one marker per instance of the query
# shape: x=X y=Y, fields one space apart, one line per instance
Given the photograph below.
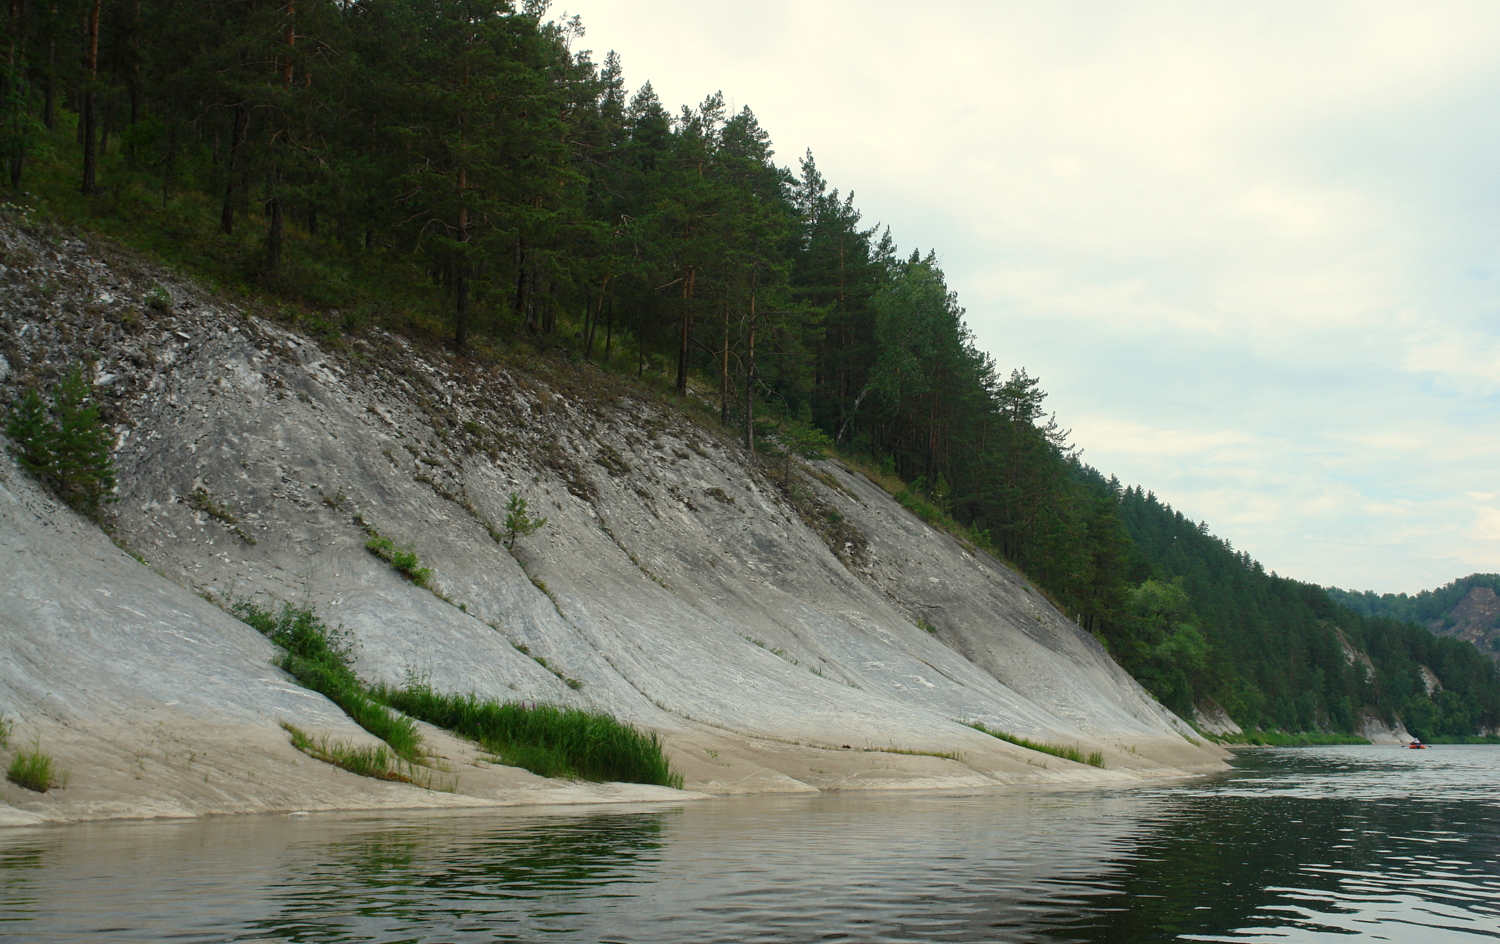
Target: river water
x=1300 y=844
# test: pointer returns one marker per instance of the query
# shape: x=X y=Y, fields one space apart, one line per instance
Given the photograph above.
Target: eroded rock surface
x=783 y=627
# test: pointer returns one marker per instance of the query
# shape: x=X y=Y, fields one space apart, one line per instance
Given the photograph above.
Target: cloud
x=1249 y=248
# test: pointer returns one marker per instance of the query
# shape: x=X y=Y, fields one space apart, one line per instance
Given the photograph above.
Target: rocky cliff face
x=784 y=627
x=1475 y=620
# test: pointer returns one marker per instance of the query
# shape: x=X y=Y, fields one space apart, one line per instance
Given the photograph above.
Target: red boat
x=1417 y=747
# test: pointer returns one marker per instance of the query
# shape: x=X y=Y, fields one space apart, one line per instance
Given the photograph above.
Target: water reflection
x=1310 y=846
x=1303 y=845
x=526 y=876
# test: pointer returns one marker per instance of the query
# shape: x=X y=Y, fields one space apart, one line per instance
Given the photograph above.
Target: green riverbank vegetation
x=1280 y=739
x=470 y=176
x=1463 y=739
x=1073 y=753
x=36 y=770
x=547 y=740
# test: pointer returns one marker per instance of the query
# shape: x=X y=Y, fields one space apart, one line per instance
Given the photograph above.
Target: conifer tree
x=66 y=444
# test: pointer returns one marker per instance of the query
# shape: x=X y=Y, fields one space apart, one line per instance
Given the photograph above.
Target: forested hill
x=464 y=169
x=1467 y=608
x=468 y=171
x=1280 y=653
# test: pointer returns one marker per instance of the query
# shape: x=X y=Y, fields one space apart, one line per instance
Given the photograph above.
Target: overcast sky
x=1249 y=248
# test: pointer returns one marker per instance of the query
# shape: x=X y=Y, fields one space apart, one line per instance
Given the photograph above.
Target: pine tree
x=68 y=447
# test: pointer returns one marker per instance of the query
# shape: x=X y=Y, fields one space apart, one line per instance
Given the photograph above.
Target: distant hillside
x=1279 y=653
x=1466 y=609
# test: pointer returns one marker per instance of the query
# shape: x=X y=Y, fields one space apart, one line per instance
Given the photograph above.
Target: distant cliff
x=1467 y=609
x=783 y=625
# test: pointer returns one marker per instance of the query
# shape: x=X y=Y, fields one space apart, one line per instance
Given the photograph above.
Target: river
x=1300 y=844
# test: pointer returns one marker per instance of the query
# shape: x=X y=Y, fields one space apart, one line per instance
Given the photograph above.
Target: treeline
x=471 y=143
x=468 y=157
x=1279 y=653
x=1423 y=607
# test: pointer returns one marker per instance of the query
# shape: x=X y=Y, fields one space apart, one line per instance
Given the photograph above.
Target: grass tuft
x=916 y=752
x=1066 y=752
x=36 y=771
x=371 y=760
x=201 y=500
x=548 y=740
x=319 y=658
x=401 y=559
x=545 y=739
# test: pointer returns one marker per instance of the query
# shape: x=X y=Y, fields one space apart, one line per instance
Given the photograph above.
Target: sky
x=1250 y=249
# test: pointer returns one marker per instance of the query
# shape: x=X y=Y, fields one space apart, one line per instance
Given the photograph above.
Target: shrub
x=158 y=298
x=518 y=523
x=806 y=440
x=65 y=444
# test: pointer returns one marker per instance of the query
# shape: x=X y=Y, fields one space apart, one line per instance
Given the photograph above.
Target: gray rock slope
x=785 y=626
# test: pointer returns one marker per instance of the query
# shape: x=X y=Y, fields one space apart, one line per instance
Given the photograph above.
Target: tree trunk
x=275 y=229
x=521 y=307
x=169 y=164
x=609 y=329
x=135 y=64
x=231 y=168
x=750 y=384
x=91 y=76
x=49 y=88
x=687 y=331
x=16 y=13
x=542 y=299
x=724 y=372
x=461 y=280
x=588 y=348
x=106 y=123
x=461 y=308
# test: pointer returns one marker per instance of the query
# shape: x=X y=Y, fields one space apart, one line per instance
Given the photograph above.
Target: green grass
x=1462 y=739
x=376 y=761
x=371 y=760
x=915 y=752
x=36 y=771
x=402 y=559
x=1278 y=739
x=547 y=740
x=1066 y=752
x=779 y=653
x=319 y=658
x=5 y=732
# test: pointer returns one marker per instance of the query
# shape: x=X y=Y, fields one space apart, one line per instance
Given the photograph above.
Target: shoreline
x=193 y=770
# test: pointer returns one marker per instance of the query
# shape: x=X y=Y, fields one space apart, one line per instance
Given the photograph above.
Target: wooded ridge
x=465 y=170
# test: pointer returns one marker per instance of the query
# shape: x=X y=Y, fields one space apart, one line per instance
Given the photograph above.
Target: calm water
x=1308 y=844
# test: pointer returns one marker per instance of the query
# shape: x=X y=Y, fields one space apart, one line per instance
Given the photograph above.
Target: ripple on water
x=1308 y=844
